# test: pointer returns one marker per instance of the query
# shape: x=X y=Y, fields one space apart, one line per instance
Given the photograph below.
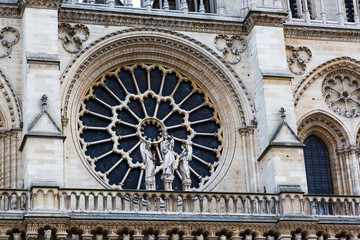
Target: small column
x=147 y=5
x=307 y=13
x=166 y=5
x=184 y=6
x=110 y=3
x=340 y=13
x=356 y=12
x=355 y=170
x=323 y=13
x=220 y=7
x=202 y=7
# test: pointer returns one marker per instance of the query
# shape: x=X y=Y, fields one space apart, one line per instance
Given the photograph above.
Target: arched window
x=317 y=165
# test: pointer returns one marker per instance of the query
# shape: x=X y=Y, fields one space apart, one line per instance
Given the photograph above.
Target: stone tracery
x=139 y=103
x=341 y=91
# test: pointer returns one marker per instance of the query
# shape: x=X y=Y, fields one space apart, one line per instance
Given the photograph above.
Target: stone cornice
x=177 y=21
x=322 y=32
x=263 y=18
x=50 y=4
x=10 y=9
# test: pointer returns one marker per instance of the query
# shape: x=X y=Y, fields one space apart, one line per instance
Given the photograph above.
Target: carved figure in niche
x=151 y=237
x=168 y=154
x=126 y=236
x=149 y=159
x=222 y=237
x=175 y=237
x=200 y=237
x=298 y=236
x=248 y=237
x=185 y=157
x=99 y=236
x=269 y=237
x=74 y=237
x=47 y=234
x=17 y=236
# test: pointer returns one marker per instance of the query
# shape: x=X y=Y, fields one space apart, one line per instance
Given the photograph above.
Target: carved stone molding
x=231 y=47
x=73 y=36
x=9 y=36
x=322 y=124
x=154 y=39
x=341 y=91
x=261 y=18
x=69 y=13
x=322 y=70
x=12 y=101
x=322 y=33
x=51 y=4
x=297 y=58
x=11 y=9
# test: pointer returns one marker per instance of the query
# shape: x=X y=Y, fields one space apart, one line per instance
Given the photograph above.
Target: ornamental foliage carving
x=231 y=47
x=297 y=58
x=9 y=36
x=73 y=36
x=139 y=103
x=341 y=91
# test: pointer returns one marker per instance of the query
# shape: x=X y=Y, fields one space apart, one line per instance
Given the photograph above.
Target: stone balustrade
x=192 y=203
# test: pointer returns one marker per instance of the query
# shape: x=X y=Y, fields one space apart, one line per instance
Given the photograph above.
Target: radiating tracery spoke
x=341 y=92
x=136 y=103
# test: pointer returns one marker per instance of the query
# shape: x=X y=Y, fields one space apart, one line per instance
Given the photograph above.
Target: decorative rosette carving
x=231 y=47
x=341 y=91
x=73 y=36
x=297 y=58
x=9 y=36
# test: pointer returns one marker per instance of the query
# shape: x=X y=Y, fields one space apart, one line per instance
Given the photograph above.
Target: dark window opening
x=317 y=165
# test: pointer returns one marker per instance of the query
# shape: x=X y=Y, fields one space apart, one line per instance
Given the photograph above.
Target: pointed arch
x=344 y=62
x=9 y=103
x=327 y=128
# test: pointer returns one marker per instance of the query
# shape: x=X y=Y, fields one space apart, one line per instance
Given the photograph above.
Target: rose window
x=138 y=103
x=342 y=94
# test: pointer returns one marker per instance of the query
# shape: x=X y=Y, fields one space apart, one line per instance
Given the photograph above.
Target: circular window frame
x=180 y=52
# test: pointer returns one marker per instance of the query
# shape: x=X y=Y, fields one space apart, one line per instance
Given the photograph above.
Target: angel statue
x=149 y=159
x=185 y=157
x=168 y=154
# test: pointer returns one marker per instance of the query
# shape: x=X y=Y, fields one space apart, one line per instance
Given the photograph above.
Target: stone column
x=42 y=143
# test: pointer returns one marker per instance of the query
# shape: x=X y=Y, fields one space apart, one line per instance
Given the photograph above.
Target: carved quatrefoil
x=73 y=36
x=231 y=47
x=9 y=36
x=297 y=58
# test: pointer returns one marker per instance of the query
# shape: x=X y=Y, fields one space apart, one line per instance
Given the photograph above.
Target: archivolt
x=324 y=126
x=138 y=41
x=11 y=107
x=348 y=63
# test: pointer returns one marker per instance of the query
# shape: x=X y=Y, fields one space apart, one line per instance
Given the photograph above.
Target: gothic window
x=317 y=165
x=297 y=8
x=349 y=7
x=138 y=103
x=294 y=9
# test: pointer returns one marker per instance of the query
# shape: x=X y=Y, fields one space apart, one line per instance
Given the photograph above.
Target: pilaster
x=42 y=145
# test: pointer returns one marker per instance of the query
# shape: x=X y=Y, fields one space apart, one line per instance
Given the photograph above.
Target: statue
x=168 y=156
x=185 y=157
x=149 y=159
x=47 y=234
